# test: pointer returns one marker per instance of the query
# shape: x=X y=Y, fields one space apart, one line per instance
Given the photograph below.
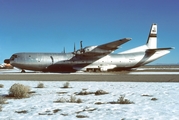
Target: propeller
x=64 y=50
x=74 y=48
x=81 y=47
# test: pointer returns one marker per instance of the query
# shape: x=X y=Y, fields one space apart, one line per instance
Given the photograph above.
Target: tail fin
x=152 y=38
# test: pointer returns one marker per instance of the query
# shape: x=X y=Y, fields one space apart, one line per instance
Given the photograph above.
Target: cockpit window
x=13 y=57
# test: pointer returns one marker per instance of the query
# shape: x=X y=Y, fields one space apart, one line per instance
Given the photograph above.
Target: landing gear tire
x=93 y=70
x=90 y=70
x=97 y=70
x=23 y=71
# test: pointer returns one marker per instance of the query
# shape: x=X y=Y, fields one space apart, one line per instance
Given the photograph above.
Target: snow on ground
x=40 y=105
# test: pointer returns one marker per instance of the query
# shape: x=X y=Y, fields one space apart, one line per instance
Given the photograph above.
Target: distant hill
x=162 y=66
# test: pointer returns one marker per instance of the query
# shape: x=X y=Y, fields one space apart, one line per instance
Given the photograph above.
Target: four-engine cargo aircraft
x=92 y=58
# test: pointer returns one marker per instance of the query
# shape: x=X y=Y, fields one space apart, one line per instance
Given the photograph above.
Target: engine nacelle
x=89 y=48
x=92 y=50
x=86 y=50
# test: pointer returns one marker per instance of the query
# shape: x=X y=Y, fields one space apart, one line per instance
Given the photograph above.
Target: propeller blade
x=64 y=50
x=74 y=48
x=81 y=46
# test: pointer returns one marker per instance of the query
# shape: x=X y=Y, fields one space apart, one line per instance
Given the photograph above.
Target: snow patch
x=41 y=104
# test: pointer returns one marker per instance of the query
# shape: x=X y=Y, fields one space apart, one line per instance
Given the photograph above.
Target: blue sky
x=51 y=25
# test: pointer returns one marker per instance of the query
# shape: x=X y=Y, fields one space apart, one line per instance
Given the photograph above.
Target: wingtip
x=172 y=47
x=128 y=38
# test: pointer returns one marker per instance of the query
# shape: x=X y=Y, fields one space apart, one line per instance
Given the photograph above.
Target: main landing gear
x=22 y=71
x=93 y=70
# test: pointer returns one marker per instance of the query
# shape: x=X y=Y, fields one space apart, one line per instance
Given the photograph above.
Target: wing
x=103 y=49
x=113 y=45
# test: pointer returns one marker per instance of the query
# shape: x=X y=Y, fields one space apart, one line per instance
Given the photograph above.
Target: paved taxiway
x=109 y=76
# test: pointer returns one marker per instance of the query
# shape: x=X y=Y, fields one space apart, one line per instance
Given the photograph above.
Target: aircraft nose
x=7 y=61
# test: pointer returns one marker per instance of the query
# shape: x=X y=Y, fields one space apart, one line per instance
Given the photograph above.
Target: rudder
x=152 y=38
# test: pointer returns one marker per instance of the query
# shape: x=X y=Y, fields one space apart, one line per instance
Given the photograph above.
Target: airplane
x=92 y=58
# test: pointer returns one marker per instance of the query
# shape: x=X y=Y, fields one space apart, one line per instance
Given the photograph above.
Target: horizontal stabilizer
x=159 y=49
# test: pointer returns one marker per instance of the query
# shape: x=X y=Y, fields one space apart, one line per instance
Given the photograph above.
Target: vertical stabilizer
x=152 y=38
